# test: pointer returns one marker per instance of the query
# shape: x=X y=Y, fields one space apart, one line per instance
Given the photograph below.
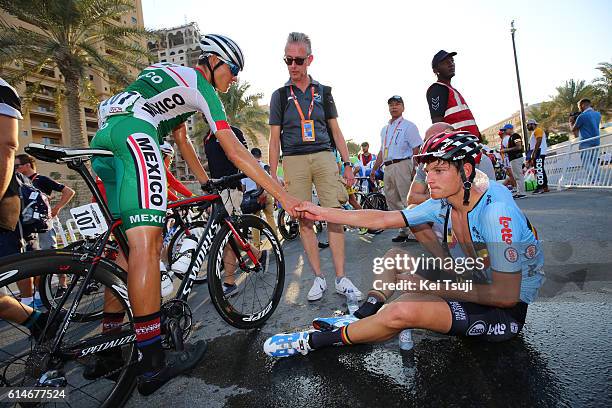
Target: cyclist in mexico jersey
x=486 y=301
x=132 y=125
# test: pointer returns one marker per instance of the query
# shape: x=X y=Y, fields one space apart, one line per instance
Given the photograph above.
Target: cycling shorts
x=486 y=323
x=135 y=178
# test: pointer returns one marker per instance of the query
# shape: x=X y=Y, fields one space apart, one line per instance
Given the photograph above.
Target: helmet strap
x=212 y=71
x=467 y=184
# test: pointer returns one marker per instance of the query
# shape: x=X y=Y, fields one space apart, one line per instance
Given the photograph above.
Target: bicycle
x=66 y=344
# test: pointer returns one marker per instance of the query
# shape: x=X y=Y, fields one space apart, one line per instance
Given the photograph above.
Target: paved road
x=562 y=358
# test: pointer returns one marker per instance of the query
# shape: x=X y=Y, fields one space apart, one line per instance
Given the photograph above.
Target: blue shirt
x=497 y=223
x=588 y=123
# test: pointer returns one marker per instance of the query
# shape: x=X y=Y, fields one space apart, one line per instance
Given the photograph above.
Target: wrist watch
x=348 y=163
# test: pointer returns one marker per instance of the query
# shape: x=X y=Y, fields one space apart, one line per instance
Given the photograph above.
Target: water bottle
x=188 y=247
x=405 y=340
x=166 y=280
x=351 y=301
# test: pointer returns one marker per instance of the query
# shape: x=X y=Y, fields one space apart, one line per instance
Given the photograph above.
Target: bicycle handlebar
x=222 y=183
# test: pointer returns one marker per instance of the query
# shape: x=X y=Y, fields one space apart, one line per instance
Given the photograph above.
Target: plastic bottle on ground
x=351 y=301
x=405 y=340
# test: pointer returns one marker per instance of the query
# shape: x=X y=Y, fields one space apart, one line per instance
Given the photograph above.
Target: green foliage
x=353 y=147
x=243 y=111
x=554 y=138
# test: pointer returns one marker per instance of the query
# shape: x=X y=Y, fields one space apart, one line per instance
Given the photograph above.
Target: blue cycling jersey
x=496 y=221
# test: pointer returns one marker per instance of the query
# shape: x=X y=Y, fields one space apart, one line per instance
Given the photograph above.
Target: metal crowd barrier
x=585 y=168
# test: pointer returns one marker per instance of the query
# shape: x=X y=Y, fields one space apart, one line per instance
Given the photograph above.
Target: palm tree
x=569 y=94
x=603 y=88
x=244 y=111
x=74 y=35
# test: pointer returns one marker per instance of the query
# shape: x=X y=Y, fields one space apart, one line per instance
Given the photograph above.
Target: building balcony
x=46 y=128
x=43 y=111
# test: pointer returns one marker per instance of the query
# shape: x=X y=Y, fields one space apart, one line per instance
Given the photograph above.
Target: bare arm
x=274 y=150
x=8 y=147
x=342 y=149
x=188 y=152
x=418 y=193
x=372 y=219
x=377 y=163
x=67 y=194
x=244 y=160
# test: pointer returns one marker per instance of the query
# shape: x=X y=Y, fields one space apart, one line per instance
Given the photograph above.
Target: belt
x=395 y=161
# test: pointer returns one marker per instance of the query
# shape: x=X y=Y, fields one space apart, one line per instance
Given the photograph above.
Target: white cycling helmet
x=223 y=47
x=166 y=148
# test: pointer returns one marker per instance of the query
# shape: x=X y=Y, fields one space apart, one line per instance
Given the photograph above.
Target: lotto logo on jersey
x=151 y=175
x=506 y=232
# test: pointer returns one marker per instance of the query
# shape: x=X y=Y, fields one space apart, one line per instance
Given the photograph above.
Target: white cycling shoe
x=287 y=344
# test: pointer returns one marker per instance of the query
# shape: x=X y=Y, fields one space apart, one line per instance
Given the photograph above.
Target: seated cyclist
x=481 y=220
x=132 y=125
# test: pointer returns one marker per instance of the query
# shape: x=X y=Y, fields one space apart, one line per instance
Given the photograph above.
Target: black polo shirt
x=291 y=123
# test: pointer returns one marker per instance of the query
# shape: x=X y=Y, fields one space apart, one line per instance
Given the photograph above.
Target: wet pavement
x=563 y=357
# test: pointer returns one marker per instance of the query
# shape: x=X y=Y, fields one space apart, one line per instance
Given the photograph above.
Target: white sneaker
x=318 y=287
x=345 y=285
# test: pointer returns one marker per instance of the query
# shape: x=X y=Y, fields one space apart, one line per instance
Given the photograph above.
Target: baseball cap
x=532 y=122
x=507 y=126
x=395 y=98
x=441 y=56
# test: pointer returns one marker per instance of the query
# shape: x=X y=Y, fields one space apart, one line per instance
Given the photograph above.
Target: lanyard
x=387 y=132
x=297 y=105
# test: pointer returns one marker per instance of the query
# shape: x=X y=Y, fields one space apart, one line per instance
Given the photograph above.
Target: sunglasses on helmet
x=298 y=60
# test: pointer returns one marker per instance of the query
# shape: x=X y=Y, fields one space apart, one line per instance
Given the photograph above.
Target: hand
x=207 y=187
x=349 y=176
x=289 y=203
x=373 y=176
x=311 y=211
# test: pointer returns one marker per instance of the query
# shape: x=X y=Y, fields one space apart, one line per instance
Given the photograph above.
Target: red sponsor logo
x=506 y=232
x=530 y=252
x=511 y=255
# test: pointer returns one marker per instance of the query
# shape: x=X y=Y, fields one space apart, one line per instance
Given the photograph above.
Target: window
x=162 y=54
x=24 y=132
x=164 y=60
x=172 y=53
x=180 y=51
x=50 y=140
x=91 y=77
x=182 y=58
x=134 y=20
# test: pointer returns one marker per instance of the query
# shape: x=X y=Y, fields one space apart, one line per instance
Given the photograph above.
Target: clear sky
x=370 y=50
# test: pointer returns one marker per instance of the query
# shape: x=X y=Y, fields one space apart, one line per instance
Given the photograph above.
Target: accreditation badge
x=308 y=131
x=386 y=153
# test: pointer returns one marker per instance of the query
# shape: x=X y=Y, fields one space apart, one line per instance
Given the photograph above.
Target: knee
x=150 y=247
x=399 y=315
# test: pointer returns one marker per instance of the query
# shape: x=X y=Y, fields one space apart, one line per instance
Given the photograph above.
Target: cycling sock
x=32 y=319
x=27 y=300
x=371 y=306
x=148 y=340
x=111 y=322
x=337 y=337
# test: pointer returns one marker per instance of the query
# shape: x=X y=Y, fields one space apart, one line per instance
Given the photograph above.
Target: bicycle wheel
x=259 y=286
x=376 y=201
x=27 y=362
x=174 y=251
x=288 y=227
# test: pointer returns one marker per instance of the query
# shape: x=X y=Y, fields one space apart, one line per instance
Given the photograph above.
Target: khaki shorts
x=232 y=199
x=320 y=169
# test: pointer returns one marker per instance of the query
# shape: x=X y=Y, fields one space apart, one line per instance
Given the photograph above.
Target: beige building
x=44 y=119
x=490 y=133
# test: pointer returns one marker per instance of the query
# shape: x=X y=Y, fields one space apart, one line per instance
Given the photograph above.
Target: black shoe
x=263 y=260
x=177 y=362
x=375 y=232
x=323 y=244
x=399 y=238
x=61 y=291
x=104 y=364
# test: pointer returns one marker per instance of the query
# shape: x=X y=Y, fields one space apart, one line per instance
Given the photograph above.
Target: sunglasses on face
x=298 y=60
x=234 y=69
x=17 y=165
